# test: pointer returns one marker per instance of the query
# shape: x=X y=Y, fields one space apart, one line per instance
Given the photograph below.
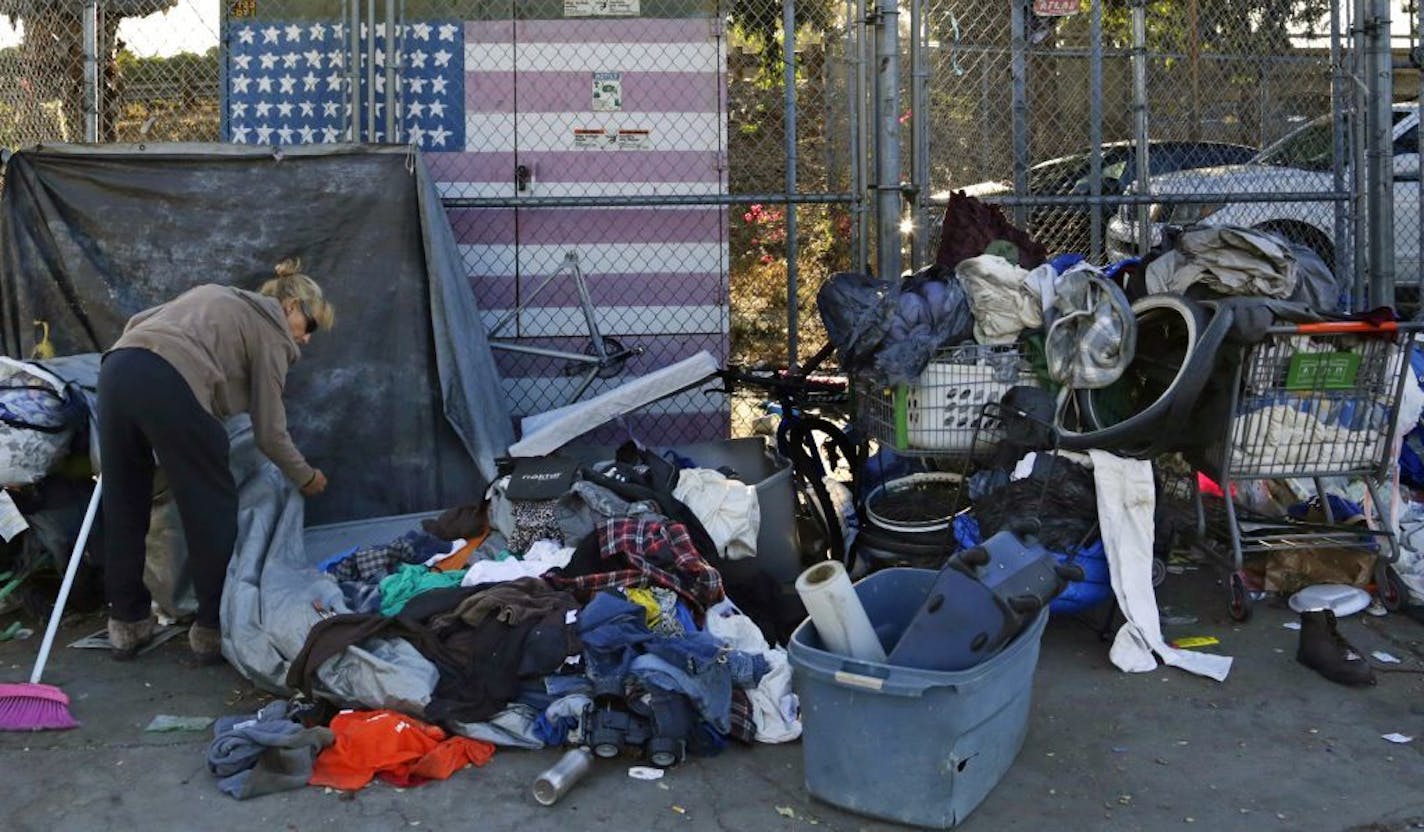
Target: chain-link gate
x=1252 y=118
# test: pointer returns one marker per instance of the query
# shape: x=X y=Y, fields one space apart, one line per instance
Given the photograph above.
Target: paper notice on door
x=634 y=139
x=607 y=91
x=592 y=138
x=12 y=522
x=600 y=8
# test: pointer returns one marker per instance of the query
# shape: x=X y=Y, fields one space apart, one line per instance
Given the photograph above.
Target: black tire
x=1303 y=234
x=1389 y=587
x=1239 y=607
x=1145 y=426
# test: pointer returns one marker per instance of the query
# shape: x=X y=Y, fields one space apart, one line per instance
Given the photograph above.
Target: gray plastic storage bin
x=914 y=746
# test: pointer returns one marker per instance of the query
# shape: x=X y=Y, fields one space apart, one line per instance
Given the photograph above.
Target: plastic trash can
x=914 y=746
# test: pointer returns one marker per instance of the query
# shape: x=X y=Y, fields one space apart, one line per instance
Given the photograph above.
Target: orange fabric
x=449 y=757
x=462 y=557
x=397 y=748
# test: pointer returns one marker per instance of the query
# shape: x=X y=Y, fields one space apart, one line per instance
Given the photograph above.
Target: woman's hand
x=316 y=485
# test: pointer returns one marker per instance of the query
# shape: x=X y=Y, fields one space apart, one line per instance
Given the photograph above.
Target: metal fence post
x=856 y=22
x=353 y=69
x=1018 y=70
x=1379 y=170
x=887 y=141
x=91 y=70
x=1139 y=120
x=1095 y=128
x=1358 y=133
x=919 y=134
x=393 y=126
x=1339 y=139
x=793 y=294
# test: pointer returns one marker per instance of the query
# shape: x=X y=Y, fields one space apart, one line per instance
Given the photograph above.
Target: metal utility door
x=625 y=112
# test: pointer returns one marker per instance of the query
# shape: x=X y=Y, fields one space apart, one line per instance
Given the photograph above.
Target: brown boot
x=1325 y=651
x=206 y=643
x=128 y=637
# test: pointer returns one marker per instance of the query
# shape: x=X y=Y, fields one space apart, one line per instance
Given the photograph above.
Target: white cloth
x=774 y=705
x=1127 y=500
x=1285 y=436
x=541 y=556
x=727 y=508
x=455 y=546
x=1002 y=302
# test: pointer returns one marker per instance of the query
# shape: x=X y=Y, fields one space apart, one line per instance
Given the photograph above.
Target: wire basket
x=943 y=412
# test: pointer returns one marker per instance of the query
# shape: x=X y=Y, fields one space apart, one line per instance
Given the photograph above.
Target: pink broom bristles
x=34 y=707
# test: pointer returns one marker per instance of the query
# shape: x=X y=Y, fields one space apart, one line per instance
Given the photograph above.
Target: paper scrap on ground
x=1382 y=656
x=1396 y=738
x=1189 y=642
x=645 y=773
x=168 y=722
x=1291 y=625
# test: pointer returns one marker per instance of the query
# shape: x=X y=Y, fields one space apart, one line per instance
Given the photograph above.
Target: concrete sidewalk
x=1274 y=747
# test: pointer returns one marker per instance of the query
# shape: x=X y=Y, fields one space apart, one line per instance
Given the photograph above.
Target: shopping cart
x=943 y=413
x=1313 y=401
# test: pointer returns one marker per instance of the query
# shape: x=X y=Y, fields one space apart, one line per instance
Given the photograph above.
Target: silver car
x=1301 y=162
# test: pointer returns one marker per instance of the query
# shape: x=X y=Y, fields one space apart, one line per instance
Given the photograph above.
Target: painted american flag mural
x=289 y=83
x=522 y=94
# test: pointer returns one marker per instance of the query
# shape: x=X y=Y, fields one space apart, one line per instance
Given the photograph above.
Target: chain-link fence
x=707 y=173
x=1244 y=115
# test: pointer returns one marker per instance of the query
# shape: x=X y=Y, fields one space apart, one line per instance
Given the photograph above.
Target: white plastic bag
x=36 y=424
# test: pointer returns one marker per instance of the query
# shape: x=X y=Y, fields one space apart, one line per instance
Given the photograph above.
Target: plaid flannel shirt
x=651 y=553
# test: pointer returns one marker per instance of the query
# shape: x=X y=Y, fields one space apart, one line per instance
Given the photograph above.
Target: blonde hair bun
x=289 y=267
x=290 y=284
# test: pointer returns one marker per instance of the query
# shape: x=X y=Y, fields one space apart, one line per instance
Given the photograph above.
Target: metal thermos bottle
x=559 y=778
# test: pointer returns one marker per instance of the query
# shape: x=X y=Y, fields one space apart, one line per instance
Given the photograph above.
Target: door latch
x=521 y=178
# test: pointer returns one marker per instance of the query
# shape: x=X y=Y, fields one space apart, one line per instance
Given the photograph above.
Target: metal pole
x=855 y=83
x=370 y=58
x=919 y=134
x=1139 y=112
x=1417 y=51
x=1379 y=151
x=1339 y=140
x=1095 y=128
x=392 y=123
x=400 y=79
x=353 y=70
x=1361 y=240
x=1018 y=70
x=91 y=70
x=793 y=294
x=887 y=141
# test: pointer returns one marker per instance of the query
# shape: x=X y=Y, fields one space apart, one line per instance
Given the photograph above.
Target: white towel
x=1127 y=500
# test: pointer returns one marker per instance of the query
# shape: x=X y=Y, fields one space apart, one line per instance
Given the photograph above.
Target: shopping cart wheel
x=1389 y=587
x=1240 y=606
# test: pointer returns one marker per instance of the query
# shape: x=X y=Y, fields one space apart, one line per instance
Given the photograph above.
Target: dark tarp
x=400 y=405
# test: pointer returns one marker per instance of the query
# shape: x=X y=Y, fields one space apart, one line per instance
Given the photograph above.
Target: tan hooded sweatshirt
x=233 y=348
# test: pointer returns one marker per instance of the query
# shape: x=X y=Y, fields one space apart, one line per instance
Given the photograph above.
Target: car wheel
x=1304 y=235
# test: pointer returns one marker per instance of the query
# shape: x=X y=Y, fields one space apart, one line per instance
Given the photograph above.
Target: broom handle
x=69 y=571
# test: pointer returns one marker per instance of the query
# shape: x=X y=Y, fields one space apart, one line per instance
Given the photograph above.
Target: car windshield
x=1312 y=147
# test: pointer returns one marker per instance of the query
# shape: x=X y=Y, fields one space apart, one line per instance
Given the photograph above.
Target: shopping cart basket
x=1313 y=401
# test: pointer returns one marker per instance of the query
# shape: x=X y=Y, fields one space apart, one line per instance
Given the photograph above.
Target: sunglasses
x=312 y=325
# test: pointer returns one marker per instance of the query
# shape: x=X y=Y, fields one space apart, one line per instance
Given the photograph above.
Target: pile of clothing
x=573 y=605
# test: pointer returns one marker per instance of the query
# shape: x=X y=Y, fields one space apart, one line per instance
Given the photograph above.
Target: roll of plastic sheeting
x=836 y=611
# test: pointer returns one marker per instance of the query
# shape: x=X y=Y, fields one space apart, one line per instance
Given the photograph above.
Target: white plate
x=1344 y=600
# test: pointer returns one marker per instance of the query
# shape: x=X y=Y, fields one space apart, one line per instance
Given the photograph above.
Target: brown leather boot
x=1325 y=651
x=128 y=637
x=206 y=643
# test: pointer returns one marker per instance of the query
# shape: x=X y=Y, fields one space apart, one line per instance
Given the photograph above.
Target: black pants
x=145 y=407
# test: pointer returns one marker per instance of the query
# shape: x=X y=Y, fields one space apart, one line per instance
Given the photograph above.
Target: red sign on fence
x=1055 y=8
